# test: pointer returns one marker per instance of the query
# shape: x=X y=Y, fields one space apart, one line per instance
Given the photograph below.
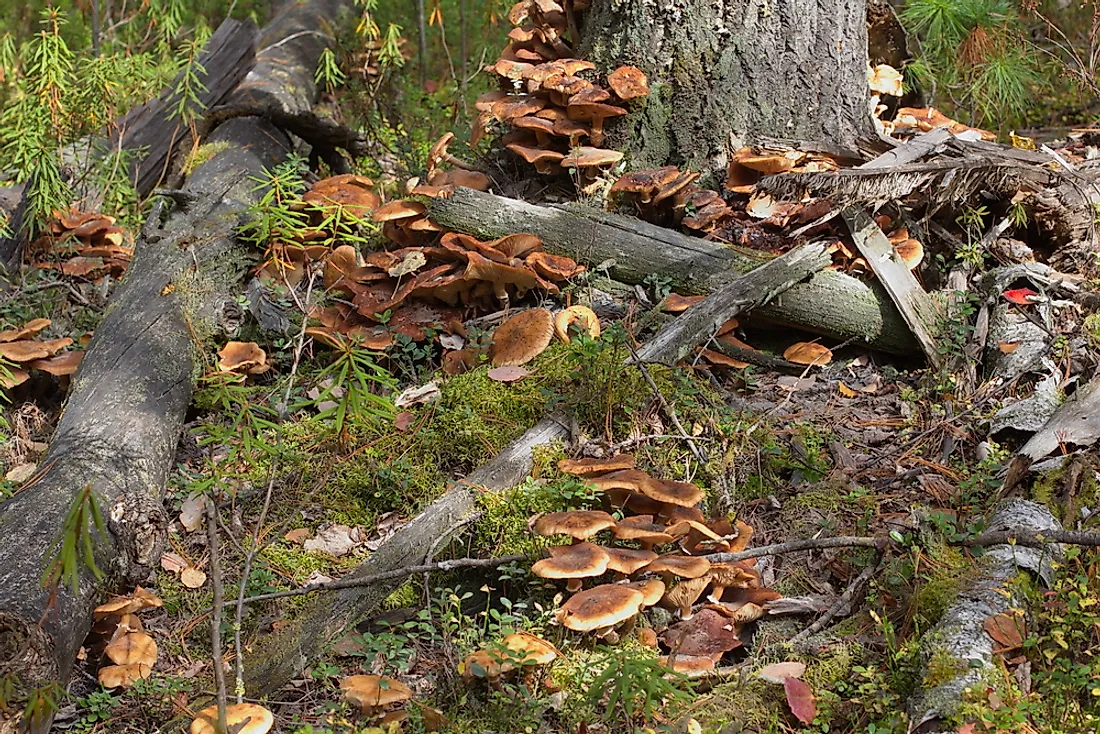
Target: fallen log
x=119 y=430
x=960 y=637
x=149 y=131
x=830 y=303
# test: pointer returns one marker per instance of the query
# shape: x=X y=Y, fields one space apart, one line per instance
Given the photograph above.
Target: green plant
x=355 y=384
x=632 y=688
x=76 y=546
x=96 y=708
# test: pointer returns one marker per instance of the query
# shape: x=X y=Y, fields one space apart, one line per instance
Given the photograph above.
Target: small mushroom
x=242 y=718
x=686 y=567
x=653 y=590
x=684 y=494
x=572 y=562
x=628 y=82
x=521 y=649
x=582 y=316
x=600 y=607
x=595 y=467
x=546 y=161
x=374 y=693
x=684 y=594
x=627 y=561
x=594 y=112
x=585 y=157
x=642 y=529
x=577 y=524
x=727 y=575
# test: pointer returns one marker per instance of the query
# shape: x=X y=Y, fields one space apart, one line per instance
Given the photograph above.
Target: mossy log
x=119 y=430
x=830 y=303
x=280 y=656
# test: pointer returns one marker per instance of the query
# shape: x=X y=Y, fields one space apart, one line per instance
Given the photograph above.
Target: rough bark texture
x=281 y=656
x=750 y=69
x=829 y=303
x=119 y=430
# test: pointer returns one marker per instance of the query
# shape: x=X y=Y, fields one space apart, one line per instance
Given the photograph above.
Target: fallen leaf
x=192 y=577
x=20 y=473
x=334 y=540
x=403 y=420
x=510 y=373
x=778 y=672
x=418 y=395
x=298 y=535
x=1008 y=347
x=1006 y=629
x=1021 y=296
x=845 y=390
x=173 y=562
x=192 y=512
x=801 y=700
x=410 y=264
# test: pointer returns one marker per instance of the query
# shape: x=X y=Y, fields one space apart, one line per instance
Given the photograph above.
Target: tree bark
x=829 y=303
x=726 y=74
x=119 y=429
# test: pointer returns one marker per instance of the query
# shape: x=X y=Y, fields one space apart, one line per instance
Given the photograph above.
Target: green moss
x=942 y=667
x=404 y=596
x=294 y=562
x=202 y=154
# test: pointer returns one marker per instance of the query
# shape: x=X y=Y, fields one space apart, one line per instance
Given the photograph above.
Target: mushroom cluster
x=380 y=698
x=118 y=635
x=555 y=116
x=21 y=346
x=83 y=245
x=659 y=515
x=668 y=196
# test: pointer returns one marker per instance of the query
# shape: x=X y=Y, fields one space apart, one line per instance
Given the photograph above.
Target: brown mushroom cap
x=686 y=567
x=635 y=502
x=628 y=560
x=375 y=691
x=518 y=649
x=653 y=590
x=26 y=331
x=577 y=561
x=645 y=184
x=595 y=467
x=522 y=337
x=589 y=157
x=579 y=524
x=259 y=719
x=601 y=606
x=59 y=364
x=543 y=159
x=628 y=82
x=684 y=494
x=583 y=316
x=400 y=209
x=642 y=529
x=631 y=479
x=673 y=514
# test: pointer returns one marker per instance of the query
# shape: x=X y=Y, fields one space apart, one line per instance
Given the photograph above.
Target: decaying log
x=282 y=655
x=751 y=290
x=959 y=636
x=149 y=131
x=119 y=429
x=830 y=303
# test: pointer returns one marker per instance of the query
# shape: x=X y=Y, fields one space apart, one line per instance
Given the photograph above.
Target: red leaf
x=1006 y=629
x=508 y=374
x=1021 y=296
x=801 y=700
x=403 y=420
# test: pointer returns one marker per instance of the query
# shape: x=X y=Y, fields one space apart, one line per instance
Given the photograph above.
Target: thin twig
x=1036 y=539
x=842 y=603
x=669 y=410
x=254 y=548
x=396 y=573
x=216 y=616
x=804 y=544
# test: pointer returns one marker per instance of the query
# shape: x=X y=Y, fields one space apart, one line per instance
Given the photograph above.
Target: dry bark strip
x=282 y=655
x=120 y=427
x=149 y=130
x=752 y=290
x=830 y=303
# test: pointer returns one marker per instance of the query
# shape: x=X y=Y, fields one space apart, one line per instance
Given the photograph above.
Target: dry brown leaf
x=845 y=390
x=509 y=373
x=1006 y=629
x=298 y=535
x=192 y=512
x=777 y=672
x=173 y=562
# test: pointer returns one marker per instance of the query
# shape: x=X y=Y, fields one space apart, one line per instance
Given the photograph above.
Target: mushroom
x=522 y=338
x=631 y=479
x=521 y=649
x=673 y=514
x=636 y=502
x=584 y=157
x=59 y=365
x=628 y=82
x=555 y=268
x=600 y=607
x=684 y=594
x=626 y=561
x=595 y=467
x=542 y=128
x=684 y=494
x=26 y=331
x=374 y=693
x=546 y=161
x=572 y=562
x=642 y=529
x=686 y=567
x=242 y=718
x=727 y=575
x=242 y=357
x=577 y=524
x=653 y=590
x=594 y=112
x=347 y=192
x=583 y=316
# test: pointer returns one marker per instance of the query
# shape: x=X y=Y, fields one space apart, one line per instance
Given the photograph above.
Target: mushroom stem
x=459 y=163
x=716 y=594
x=574 y=585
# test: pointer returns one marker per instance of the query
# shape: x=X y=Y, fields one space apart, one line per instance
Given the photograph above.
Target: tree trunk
x=726 y=74
x=120 y=426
